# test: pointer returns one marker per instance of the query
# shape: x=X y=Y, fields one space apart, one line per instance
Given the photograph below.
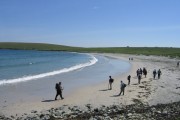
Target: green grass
x=172 y=52
x=34 y=46
x=160 y=51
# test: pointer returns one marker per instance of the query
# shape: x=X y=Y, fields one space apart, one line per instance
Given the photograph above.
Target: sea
x=30 y=74
x=18 y=66
x=24 y=65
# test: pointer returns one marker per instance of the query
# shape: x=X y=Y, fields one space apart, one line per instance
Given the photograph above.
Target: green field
x=160 y=51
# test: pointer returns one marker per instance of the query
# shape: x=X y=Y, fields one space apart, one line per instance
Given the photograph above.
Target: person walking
x=139 y=78
x=110 y=82
x=177 y=64
x=129 y=79
x=122 y=88
x=154 y=73
x=144 y=72
x=59 y=90
x=138 y=72
x=159 y=73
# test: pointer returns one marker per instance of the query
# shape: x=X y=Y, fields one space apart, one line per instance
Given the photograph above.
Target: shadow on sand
x=47 y=100
x=115 y=95
x=104 y=90
x=135 y=84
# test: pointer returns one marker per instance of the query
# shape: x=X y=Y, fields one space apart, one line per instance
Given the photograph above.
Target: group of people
x=122 y=85
x=157 y=72
x=130 y=58
x=139 y=72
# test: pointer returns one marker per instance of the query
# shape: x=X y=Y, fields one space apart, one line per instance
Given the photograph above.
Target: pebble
x=114 y=112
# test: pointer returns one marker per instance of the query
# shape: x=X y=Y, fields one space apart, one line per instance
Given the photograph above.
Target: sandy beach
x=150 y=91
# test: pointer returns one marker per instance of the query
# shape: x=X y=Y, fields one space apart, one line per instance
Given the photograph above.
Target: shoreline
x=98 y=95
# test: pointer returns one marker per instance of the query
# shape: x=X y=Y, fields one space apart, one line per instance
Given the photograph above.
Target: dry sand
x=150 y=91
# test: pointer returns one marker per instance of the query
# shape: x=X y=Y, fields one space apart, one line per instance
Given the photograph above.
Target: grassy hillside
x=173 y=52
x=35 y=46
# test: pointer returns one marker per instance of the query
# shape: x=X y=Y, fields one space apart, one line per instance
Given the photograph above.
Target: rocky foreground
x=137 y=111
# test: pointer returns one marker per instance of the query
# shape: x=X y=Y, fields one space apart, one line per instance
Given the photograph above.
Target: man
x=110 y=82
x=129 y=78
x=144 y=72
x=154 y=73
x=59 y=90
x=177 y=64
x=139 y=78
x=122 y=87
x=138 y=72
x=159 y=73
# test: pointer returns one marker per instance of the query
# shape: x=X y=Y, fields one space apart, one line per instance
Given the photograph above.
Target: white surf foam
x=35 y=77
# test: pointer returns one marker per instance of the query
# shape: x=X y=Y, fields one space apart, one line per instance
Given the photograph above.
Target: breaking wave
x=35 y=77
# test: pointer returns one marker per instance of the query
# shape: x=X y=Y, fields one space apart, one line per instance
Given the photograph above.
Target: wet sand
x=150 y=91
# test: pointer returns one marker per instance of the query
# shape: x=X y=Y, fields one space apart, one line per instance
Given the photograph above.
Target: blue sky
x=92 y=23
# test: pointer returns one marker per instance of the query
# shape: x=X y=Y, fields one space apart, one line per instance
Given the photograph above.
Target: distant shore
x=158 y=51
x=150 y=91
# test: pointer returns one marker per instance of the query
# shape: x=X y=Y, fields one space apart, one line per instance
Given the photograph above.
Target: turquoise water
x=26 y=75
x=24 y=65
x=73 y=69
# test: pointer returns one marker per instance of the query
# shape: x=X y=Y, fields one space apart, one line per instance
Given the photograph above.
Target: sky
x=92 y=23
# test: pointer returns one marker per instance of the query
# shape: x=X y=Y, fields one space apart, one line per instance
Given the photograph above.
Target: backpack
x=124 y=85
x=111 y=80
x=57 y=85
x=129 y=77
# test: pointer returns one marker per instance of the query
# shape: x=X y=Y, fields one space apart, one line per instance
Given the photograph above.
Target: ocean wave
x=64 y=70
